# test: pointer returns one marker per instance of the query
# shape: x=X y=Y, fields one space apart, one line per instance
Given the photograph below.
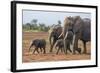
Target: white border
x=36 y=65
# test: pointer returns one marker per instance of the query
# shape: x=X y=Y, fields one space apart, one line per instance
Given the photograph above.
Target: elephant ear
x=66 y=22
x=78 y=23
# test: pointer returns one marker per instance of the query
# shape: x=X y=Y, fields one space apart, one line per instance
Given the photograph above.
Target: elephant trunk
x=50 y=36
x=51 y=41
x=31 y=44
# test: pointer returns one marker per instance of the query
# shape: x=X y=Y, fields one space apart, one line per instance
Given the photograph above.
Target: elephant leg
x=51 y=49
x=41 y=49
x=84 y=47
x=36 y=49
x=70 y=50
x=61 y=49
x=58 y=50
x=44 y=50
x=79 y=50
x=75 y=47
x=68 y=46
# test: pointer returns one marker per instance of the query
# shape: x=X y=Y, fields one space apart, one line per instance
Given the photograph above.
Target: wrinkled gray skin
x=38 y=43
x=81 y=30
x=54 y=35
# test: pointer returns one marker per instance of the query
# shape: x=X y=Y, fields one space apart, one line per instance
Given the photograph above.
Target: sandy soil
x=30 y=57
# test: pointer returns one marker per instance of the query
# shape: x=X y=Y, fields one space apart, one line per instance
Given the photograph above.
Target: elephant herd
x=66 y=38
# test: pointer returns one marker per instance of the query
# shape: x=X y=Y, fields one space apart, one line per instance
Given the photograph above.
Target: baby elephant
x=60 y=45
x=38 y=43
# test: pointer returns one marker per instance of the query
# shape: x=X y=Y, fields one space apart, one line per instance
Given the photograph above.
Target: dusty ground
x=29 y=57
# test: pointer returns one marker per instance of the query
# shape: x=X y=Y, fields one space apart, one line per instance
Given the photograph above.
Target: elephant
x=81 y=29
x=53 y=35
x=38 y=43
x=59 y=45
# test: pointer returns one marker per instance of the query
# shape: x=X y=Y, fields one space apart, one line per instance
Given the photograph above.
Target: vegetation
x=34 y=26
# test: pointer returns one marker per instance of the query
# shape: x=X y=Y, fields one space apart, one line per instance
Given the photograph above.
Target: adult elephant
x=81 y=29
x=54 y=34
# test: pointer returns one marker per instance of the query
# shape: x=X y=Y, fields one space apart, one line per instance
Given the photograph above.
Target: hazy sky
x=49 y=17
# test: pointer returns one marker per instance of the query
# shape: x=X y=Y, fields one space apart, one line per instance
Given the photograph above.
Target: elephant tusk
x=72 y=46
x=65 y=42
x=66 y=35
x=60 y=35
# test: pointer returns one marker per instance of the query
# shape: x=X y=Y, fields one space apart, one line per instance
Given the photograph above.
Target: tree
x=42 y=26
x=34 y=21
x=34 y=24
x=59 y=22
x=46 y=29
x=28 y=26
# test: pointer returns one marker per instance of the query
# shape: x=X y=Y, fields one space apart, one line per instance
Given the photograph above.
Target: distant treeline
x=34 y=26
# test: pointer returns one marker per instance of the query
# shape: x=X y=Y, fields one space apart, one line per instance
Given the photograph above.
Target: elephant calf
x=69 y=41
x=60 y=45
x=38 y=43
